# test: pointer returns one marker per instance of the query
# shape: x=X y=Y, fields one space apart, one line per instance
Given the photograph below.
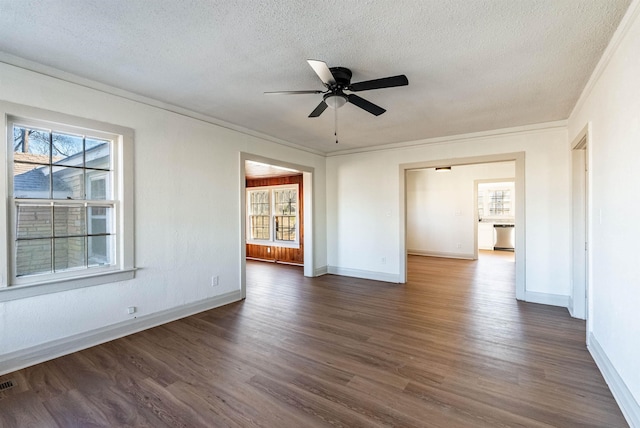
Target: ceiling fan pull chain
x=335 y=128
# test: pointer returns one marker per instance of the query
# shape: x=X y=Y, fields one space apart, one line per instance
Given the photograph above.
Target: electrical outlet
x=215 y=281
x=131 y=310
x=458 y=245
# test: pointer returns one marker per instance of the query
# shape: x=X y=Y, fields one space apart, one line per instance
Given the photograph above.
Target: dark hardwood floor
x=451 y=348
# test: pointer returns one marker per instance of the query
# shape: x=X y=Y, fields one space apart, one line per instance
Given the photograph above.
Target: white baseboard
x=47 y=351
x=628 y=405
x=364 y=274
x=322 y=270
x=570 y=306
x=547 y=299
x=441 y=254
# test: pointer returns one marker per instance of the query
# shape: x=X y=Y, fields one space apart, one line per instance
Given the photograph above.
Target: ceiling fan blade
x=318 y=111
x=322 y=70
x=365 y=105
x=294 y=92
x=385 y=82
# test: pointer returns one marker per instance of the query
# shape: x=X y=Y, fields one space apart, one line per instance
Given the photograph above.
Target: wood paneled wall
x=273 y=252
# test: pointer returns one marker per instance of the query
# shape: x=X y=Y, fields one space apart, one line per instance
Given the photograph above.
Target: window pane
x=31 y=145
x=69 y=221
x=259 y=203
x=31 y=181
x=98 y=153
x=33 y=221
x=286 y=201
x=68 y=183
x=260 y=227
x=100 y=250
x=33 y=256
x=98 y=185
x=285 y=228
x=69 y=253
x=67 y=150
x=99 y=220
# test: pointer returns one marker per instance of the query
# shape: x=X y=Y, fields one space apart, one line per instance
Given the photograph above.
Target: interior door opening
x=276 y=205
x=440 y=213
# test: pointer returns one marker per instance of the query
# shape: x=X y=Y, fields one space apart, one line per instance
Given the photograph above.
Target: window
x=69 y=214
x=499 y=202
x=272 y=215
x=494 y=200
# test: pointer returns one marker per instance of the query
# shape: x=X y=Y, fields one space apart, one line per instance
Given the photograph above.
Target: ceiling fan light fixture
x=335 y=101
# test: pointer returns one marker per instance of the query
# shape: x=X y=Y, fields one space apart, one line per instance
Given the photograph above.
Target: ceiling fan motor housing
x=342 y=76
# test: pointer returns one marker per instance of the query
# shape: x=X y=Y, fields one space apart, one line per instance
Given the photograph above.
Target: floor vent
x=7 y=384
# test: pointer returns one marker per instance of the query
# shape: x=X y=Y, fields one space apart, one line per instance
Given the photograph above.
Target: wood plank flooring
x=451 y=348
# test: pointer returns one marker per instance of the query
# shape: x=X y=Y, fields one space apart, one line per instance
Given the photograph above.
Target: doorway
x=286 y=231
x=450 y=164
x=496 y=210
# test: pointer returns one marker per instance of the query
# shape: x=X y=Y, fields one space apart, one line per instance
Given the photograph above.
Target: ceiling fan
x=337 y=80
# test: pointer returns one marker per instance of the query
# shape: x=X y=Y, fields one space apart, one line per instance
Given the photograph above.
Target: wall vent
x=7 y=384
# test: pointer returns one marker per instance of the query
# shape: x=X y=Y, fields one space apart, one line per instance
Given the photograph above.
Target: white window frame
x=272 y=241
x=12 y=287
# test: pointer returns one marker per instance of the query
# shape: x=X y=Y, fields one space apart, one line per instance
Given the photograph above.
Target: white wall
x=611 y=104
x=362 y=215
x=441 y=207
x=187 y=213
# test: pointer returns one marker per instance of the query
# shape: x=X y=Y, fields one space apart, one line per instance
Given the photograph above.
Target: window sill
x=15 y=292
x=275 y=244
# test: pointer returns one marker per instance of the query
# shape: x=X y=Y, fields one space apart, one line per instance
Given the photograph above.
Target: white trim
x=364 y=274
x=442 y=254
x=47 y=351
x=16 y=292
x=547 y=299
x=64 y=76
x=309 y=233
x=322 y=270
x=628 y=405
x=473 y=136
x=618 y=36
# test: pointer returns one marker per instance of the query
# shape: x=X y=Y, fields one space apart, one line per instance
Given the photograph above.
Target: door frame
x=579 y=300
x=307 y=218
x=520 y=256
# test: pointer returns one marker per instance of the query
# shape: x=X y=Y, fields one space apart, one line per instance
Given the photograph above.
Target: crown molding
x=525 y=129
x=65 y=76
x=621 y=32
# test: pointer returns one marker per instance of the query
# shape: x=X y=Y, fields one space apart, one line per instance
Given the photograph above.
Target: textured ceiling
x=472 y=65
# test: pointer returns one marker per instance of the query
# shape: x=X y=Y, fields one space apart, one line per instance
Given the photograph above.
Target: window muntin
x=499 y=202
x=495 y=200
x=273 y=215
x=63 y=203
